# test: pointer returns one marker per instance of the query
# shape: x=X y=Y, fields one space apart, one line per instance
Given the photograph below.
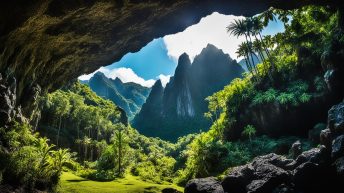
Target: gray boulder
x=238 y=179
x=336 y=119
x=339 y=164
x=203 y=185
x=338 y=147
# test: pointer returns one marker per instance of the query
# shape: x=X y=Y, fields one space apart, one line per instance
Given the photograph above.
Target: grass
x=71 y=183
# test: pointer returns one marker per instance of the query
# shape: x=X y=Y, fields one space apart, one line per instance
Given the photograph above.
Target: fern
x=305 y=97
x=286 y=98
x=270 y=95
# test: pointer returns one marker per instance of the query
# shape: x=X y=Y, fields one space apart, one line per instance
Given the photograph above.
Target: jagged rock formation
x=128 y=96
x=180 y=107
x=316 y=170
x=151 y=111
x=9 y=110
x=49 y=42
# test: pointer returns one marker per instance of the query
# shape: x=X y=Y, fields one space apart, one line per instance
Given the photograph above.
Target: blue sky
x=151 y=61
x=158 y=59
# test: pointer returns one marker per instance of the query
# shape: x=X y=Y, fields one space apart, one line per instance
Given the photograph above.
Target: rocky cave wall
x=49 y=42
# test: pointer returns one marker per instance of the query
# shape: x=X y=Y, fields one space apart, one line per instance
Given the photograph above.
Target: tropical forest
x=193 y=96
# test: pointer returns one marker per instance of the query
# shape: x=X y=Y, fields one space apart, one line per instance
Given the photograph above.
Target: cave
x=52 y=39
x=47 y=44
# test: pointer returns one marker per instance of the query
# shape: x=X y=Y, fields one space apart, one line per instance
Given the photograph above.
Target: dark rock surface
x=317 y=170
x=338 y=147
x=336 y=119
x=296 y=149
x=9 y=111
x=170 y=190
x=203 y=185
x=326 y=138
x=339 y=164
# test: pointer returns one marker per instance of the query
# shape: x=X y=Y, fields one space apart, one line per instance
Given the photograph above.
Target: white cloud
x=86 y=76
x=125 y=74
x=164 y=79
x=211 y=29
x=128 y=75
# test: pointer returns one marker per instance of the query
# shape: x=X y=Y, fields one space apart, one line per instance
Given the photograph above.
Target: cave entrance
x=170 y=77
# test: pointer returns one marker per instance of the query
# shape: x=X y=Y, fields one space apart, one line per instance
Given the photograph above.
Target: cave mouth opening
x=202 y=43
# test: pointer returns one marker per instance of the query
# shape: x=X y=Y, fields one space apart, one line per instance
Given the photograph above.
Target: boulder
x=336 y=119
x=326 y=138
x=170 y=190
x=296 y=149
x=264 y=174
x=314 y=134
x=237 y=179
x=339 y=164
x=304 y=175
x=267 y=178
x=203 y=185
x=312 y=177
x=316 y=155
x=338 y=147
x=283 y=188
x=274 y=159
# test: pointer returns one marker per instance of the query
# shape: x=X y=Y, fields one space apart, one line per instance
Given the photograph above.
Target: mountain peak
x=99 y=74
x=157 y=84
x=211 y=46
x=184 y=64
x=118 y=80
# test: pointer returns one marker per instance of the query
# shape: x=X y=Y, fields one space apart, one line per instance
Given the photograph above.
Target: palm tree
x=79 y=142
x=86 y=142
x=267 y=16
x=257 y=47
x=243 y=52
x=257 y=27
x=241 y=27
x=249 y=131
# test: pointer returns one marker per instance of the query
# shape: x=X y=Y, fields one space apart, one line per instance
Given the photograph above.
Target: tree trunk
x=267 y=53
x=58 y=132
x=252 y=54
x=119 y=153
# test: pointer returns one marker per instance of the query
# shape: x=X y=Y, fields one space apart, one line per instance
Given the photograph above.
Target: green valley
x=129 y=184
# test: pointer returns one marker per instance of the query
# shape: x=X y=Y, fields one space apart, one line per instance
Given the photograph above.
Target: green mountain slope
x=129 y=96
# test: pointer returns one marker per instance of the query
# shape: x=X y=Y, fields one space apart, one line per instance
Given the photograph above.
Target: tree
x=86 y=142
x=249 y=131
x=61 y=107
x=241 y=27
x=215 y=104
x=243 y=52
x=257 y=27
x=120 y=143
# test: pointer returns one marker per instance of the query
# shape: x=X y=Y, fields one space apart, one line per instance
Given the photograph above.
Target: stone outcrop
x=170 y=190
x=316 y=170
x=203 y=185
x=9 y=111
x=49 y=42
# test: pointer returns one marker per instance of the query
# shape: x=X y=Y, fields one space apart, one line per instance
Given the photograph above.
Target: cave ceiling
x=48 y=42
